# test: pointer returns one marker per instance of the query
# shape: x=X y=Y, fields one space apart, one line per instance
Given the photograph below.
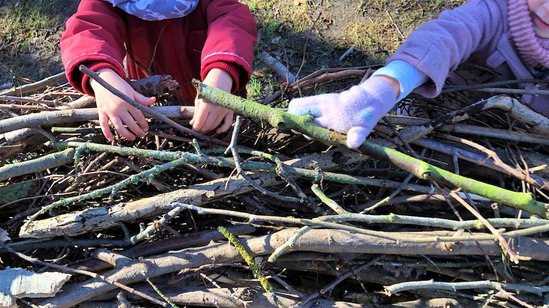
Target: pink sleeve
x=439 y=46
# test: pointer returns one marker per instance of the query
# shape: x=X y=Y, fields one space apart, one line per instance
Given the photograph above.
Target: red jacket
x=217 y=34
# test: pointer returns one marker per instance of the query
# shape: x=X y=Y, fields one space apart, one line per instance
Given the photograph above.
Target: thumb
x=300 y=106
x=357 y=135
x=304 y=106
x=144 y=100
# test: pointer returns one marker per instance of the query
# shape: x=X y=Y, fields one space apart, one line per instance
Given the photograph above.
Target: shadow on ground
x=303 y=35
x=29 y=38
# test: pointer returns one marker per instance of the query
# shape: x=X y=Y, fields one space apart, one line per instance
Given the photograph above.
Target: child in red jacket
x=211 y=40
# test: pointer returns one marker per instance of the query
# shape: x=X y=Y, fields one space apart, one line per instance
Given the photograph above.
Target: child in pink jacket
x=211 y=40
x=510 y=37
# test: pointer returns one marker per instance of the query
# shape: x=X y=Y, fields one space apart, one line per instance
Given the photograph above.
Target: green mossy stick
x=248 y=258
x=36 y=165
x=303 y=124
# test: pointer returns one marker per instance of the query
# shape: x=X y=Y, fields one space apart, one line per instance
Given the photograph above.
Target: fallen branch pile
x=445 y=208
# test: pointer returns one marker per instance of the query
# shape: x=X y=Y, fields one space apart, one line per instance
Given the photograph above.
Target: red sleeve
x=230 y=42
x=94 y=36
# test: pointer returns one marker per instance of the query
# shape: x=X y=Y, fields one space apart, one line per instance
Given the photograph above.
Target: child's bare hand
x=127 y=120
x=208 y=116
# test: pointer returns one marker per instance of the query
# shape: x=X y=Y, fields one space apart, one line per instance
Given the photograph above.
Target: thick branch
x=327 y=241
x=49 y=118
x=35 y=165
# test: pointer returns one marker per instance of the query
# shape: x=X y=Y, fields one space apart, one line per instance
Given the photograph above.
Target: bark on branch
x=35 y=165
x=327 y=241
x=49 y=118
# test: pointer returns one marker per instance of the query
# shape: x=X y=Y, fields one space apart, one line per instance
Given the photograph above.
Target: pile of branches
x=445 y=208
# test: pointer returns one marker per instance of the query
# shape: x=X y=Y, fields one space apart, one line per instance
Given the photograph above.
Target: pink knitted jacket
x=477 y=32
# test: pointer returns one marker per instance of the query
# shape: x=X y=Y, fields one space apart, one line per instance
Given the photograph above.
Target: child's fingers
x=209 y=117
x=199 y=118
x=211 y=121
x=227 y=122
x=140 y=119
x=311 y=104
x=300 y=102
x=198 y=106
x=218 y=119
x=123 y=131
x=104 y=124
x=357 y=135
x=144 y=100
x=132 y=125
x=203 y=118
x=312 y=109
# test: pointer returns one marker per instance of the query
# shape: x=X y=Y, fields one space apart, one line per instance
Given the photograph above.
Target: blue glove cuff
x=408 y=76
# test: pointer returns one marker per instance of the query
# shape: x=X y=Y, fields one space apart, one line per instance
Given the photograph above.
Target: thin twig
x=388 y=198
x=142 y=176
x=329 y=287
x=164 y=297
x=470 y=285
x=234 y=151
x=512 y=254
x=326 y=200
x=32 y=87
x=155 y=225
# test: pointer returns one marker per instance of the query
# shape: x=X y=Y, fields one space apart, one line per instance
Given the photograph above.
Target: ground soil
x=306 y=35
x=29 y=52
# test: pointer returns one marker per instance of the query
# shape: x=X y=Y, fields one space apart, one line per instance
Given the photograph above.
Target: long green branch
x=221 y=161
x=281 y=119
